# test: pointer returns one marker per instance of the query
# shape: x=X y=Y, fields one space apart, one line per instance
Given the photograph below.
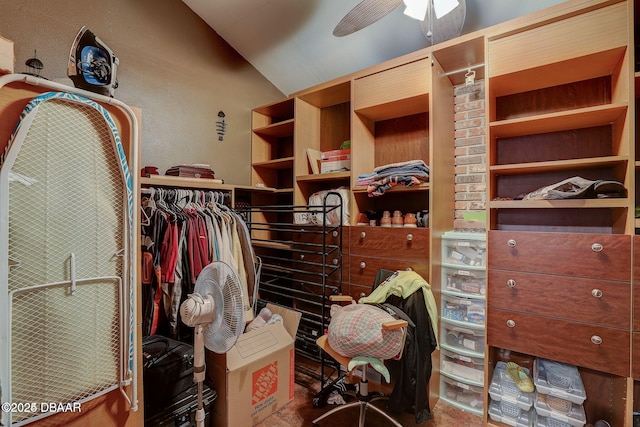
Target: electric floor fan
x=215 y=311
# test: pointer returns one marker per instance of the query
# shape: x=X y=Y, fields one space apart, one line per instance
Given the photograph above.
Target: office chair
x=364 y=398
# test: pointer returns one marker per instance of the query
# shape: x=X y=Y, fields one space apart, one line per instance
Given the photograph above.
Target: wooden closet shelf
x=554 y=122
x=553 y=165
x=278 y=129
x=562 y=203
x=281 y=163
x=397 y=188
x=333 y=176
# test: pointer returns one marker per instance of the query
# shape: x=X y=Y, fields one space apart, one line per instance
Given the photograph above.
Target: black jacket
x=413 y=371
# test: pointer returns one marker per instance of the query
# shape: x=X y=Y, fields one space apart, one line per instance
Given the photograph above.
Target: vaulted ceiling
x=291 y=42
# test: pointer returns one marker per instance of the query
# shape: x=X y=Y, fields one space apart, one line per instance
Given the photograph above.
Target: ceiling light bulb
x=442 y=7
x=416 y=9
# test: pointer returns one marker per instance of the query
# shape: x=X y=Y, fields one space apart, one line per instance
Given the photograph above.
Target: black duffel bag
x=167 y=369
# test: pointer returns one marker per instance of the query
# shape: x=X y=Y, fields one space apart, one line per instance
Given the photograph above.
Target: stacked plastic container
x=508 y=404
x=560 y=394
x=463 y=320
x=556 y=402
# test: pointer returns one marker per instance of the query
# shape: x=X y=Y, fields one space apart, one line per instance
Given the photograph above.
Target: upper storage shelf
x=272 y=145
x=393 y=93
x=558 y=107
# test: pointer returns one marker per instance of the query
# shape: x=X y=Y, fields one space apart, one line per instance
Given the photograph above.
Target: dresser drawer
x=593 y=301
x=635 y=368
x=362 y=270
x=636 y=259
x=561 y=340
x=599 y=256
x=636 y=308
x=397 y=243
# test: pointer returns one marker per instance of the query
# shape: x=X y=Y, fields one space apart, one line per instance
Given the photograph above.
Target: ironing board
x=66 y=229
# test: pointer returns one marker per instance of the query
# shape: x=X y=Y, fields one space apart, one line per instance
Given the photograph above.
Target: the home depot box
x=256 y=377
x=6 y=56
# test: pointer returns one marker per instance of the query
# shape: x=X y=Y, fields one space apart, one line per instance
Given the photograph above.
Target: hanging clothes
x=184 y=231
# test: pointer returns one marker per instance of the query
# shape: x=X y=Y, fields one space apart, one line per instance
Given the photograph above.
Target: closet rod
x=464 y=70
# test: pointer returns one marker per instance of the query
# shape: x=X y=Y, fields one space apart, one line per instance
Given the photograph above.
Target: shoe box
x=556 y=402
x=560 y=394
x=509 y=404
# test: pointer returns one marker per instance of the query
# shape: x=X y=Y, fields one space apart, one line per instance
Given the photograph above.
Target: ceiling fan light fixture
x=442 y=7
x=416 y=9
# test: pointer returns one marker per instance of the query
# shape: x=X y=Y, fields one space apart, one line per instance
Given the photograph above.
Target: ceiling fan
x=440 y=19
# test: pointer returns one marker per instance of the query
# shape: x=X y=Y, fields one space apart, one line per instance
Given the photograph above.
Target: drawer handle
x=596 y=293
x=511 y=243
x=409 y=237
x=363 y=235
x=597 y=247
x=335 y=233
x=335 y=261
x=301 y=256
x=596 y=339
x=511 y=323
x=363 y=264
x=511 y=283
x=409 y=269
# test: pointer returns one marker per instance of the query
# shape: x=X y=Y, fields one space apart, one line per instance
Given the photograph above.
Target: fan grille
x=64 y=347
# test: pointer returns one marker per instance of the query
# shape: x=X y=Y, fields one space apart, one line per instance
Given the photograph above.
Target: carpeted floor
x=300 y=412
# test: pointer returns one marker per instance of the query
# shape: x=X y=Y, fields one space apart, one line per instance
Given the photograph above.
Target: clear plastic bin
x=465 y=281
x=549 y=422
x=511 y=415
x=558 y=409
x=559 y=380
x=464 y=249
x=469 y=368
x=464 y=339
x=463 y=310
x=504 y=390
x=465 y=395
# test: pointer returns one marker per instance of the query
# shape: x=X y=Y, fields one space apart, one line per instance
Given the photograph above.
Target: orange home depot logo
x=265 y=382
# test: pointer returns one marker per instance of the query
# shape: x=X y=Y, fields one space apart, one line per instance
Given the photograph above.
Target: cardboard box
x=327 y=166
x=255 y=378
x=7 y=57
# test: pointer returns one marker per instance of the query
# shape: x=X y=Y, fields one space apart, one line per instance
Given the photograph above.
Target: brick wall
x=470 y=149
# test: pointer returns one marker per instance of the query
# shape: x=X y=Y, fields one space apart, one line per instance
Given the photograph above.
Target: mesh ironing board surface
x=67 y=241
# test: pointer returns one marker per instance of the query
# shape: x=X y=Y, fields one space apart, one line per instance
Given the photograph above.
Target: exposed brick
x=477 y=149
x=461 y=151
x=471 y=160
x=479 y=168
x=476 y=140
x=468 y=124
x=478 y=188
x=476 y=131
x=469 y=179
x=463 y=133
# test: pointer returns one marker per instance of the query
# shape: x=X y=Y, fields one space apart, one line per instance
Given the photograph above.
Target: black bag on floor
x=181 y=410
x=167 y=369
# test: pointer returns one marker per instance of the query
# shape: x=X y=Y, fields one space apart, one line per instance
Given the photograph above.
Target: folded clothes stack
x=408 y=173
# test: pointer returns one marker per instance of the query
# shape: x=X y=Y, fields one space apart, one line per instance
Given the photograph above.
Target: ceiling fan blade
x=364 y=14
x=445 y=28
x=442 y=7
